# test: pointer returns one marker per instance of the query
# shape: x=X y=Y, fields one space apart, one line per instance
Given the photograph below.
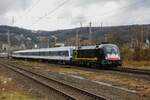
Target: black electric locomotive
x=100 y=55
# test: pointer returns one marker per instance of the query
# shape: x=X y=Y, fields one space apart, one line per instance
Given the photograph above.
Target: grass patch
x=15 y=96
x=137 y=64
x=10 y=91
x=142 y=86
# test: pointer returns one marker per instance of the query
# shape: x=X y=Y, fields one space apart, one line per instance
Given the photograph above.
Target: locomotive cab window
x=111 y=50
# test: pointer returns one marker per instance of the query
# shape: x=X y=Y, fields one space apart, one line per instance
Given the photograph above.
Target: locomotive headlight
x=112 y=57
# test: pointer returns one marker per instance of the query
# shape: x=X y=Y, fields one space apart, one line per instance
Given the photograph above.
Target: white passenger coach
x=57 y=54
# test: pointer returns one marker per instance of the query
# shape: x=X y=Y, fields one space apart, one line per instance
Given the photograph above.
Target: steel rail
x=68 y=97
x=79 y=94
x=131 y=70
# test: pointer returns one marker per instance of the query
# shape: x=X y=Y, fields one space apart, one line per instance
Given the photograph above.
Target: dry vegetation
x=136 y=58
x=136 y=54
x=10 y=91
x=139 y=85
x=137 y=64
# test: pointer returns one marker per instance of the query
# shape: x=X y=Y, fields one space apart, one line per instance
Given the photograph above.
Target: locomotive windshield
x=111 y=50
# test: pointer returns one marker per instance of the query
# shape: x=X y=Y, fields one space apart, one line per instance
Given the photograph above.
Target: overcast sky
x=109 y=12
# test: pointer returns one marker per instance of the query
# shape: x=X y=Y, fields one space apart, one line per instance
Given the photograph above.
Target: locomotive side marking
x=89 y=59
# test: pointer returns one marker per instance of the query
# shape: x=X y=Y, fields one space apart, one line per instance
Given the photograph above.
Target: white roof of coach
x=46 y=49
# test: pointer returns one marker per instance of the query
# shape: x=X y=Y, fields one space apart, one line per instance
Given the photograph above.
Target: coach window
x=37 y=53
x=57 y=53
x=22 y=54
x=41 y=53
x=50 y=53
x=27 y=53
x=46 y=53
x=60 y=53
x=54 y=53
x=67 y=53
x=31 y=53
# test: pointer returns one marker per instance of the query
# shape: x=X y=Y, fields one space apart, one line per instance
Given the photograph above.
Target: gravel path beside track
x=76 y=76
x=69 y=92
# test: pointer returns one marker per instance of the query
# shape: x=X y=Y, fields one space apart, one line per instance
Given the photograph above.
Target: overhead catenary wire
x=28 y=10
x=104 y=14
x=63 y=3
x=32 y=7
x=51 y=12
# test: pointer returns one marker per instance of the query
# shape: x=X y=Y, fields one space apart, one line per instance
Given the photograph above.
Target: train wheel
x=93 y=65
x=88 y=64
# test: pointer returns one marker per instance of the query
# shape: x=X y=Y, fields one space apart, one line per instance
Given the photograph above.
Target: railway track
x=139 y=72
x=131 y=70
x=67 y=91
x=117 y=69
